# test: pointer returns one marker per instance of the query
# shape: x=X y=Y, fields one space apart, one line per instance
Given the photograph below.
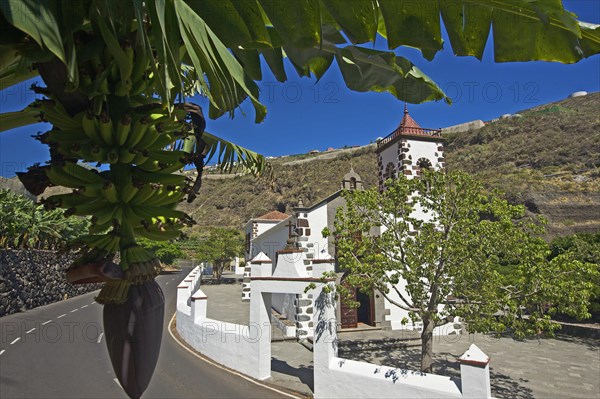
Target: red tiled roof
x=408 y=124
x=273 y=215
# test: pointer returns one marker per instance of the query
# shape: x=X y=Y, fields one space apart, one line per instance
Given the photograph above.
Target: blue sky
x=304 y=115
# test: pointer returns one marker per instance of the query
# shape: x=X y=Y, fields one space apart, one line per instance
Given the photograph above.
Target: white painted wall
x=232 y=345
x=284 y=304
x=271 y=241
x=390 y=154
x=317 y=219
x=238 y=269
x=262 y=226
x=423 y=149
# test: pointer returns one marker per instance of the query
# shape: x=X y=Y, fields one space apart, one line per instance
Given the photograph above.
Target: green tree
x=449 y=242
x=584 y=247
x=167 y=252
x=220 y=247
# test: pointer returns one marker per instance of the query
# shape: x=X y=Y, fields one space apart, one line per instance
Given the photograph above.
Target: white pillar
x=325 y=339
x=182 y=296
x=475 y=373
x=199 y=307
x=260 y=318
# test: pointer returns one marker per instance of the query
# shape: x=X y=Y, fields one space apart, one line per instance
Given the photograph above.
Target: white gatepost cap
x=475 y=357
x=261 y=258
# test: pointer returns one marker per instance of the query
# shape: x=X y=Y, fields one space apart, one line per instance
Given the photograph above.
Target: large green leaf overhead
x=219 y=39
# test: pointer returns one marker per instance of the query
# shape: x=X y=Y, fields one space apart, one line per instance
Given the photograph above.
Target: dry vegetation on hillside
x=548 y=159
x=232 y=201
x=554 y=144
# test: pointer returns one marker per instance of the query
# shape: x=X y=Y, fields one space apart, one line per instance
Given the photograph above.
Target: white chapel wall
x=264 y=226
x=317 y=218
x=390 y=154
x=271 y=241
x=424 y=149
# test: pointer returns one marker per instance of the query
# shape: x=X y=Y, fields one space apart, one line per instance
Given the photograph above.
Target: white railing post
x=475 y=373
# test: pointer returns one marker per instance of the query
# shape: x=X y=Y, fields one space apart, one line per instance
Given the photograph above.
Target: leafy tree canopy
x=167 y=252
x=220 y=247
x=451 y=243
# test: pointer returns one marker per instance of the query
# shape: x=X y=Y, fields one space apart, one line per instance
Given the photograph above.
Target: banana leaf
x=210 y=37
x=229 y=156
x=11 y=120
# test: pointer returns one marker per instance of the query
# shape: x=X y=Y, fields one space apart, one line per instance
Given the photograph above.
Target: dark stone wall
x=30 y=278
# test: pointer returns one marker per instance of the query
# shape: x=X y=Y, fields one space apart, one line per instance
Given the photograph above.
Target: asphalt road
x=58 y=351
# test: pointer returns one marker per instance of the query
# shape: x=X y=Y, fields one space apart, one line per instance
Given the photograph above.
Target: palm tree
x=118 y=73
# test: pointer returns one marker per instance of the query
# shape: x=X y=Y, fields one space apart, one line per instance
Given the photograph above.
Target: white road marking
x=62 y=315
x=46 y=322
x=74 y=310
x=15 y=340
x=33 y=329
x=167 y=283
x=84 y=306
x=2 y=351
x=117 y=381
x=93 y=303
x=100 y=337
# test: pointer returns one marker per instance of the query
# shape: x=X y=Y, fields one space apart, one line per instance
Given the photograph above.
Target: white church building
x=406 y=150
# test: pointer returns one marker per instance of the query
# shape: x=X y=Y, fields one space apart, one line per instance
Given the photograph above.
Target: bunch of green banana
x=133 y=200
x=136 y=197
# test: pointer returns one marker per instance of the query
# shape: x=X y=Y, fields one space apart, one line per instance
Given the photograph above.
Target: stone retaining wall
x=31 y=278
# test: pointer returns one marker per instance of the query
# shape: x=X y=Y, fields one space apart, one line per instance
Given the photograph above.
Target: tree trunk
x=427 y=345
x=219 y=271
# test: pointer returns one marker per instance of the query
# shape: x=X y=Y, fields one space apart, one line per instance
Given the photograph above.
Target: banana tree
x=117 y=74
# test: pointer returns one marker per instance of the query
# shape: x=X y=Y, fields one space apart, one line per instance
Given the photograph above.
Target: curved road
x=58 y=351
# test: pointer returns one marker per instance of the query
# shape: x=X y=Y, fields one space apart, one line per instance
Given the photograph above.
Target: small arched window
x=424 y=163
x=390 y=171
x=353 y=183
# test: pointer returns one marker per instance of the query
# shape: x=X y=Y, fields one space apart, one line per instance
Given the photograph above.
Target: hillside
x=547 y=159
x=232 y=201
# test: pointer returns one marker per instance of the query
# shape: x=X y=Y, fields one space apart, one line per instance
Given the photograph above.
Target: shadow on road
x=590 y=343
x=303 y=372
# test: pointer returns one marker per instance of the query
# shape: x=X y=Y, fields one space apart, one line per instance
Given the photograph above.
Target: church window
x=353 y=183
x=390 y=171
x=424 y=163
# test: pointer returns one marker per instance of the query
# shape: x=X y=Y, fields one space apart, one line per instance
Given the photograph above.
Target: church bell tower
x=408 y=150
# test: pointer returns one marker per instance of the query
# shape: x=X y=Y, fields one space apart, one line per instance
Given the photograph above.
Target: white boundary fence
x=248 y=348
